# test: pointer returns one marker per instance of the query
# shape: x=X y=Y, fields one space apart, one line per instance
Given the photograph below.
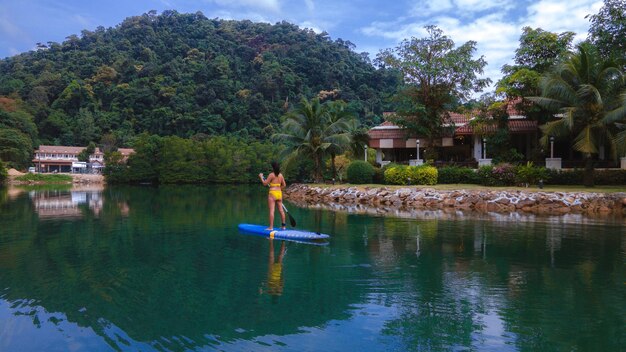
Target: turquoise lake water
x=142 y=269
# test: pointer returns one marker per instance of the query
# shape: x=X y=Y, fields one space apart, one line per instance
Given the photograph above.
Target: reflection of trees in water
x=174 y=267
x=455 y=283
x=169 y=264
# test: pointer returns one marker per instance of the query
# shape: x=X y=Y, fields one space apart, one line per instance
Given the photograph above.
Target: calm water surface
x=144 y=269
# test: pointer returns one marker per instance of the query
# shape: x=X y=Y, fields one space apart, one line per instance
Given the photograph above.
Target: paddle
x=291 y=219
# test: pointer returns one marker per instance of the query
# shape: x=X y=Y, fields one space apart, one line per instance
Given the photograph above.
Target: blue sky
x=370 y=24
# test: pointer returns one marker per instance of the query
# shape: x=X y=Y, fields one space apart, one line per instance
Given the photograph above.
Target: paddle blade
x=292 y=220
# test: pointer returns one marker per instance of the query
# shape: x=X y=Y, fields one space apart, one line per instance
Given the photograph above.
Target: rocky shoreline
x=481 y=201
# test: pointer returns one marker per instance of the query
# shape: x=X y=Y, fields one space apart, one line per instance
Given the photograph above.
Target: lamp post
x=551 y=146
x=365 y=147
x=417 y=143
x=484 y=148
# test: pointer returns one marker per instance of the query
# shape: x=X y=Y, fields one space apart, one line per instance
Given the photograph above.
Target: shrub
x=359 y=172
x=457 y=174
x=575 y=177
x=530 y=175
x=395 y=175
x=390 y=165
x=499 y=175
x=609 y=177
x=379 y=176
x=422 y=175
x=418 y=175
x=565 y=178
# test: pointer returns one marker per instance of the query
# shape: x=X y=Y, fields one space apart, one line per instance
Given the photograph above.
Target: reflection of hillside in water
x=167 y=269
x=174 y=275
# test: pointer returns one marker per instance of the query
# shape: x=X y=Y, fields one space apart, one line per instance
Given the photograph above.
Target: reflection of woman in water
x=275 y=281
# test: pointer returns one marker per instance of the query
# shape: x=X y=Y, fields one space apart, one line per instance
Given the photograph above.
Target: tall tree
x=435 y=73
x=587 y=94
x=538 y=52
x=17 y=136
x=608 y=30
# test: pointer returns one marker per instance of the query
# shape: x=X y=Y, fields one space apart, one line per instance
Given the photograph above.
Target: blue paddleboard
x=282 y=234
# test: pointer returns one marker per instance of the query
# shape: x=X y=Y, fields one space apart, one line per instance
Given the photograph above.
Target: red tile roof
x=459 y=119
x=515 y=126
x=126 y=151
x=388 y=130
x=60 y=149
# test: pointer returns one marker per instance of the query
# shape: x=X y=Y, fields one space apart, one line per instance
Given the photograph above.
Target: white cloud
x=13 y=51
x=394 y=30
x=482 y=5
x=561 y=16
x=496 y=33
x=310 y=25
x=462 y=8
x=271 y=5
x=252 y=16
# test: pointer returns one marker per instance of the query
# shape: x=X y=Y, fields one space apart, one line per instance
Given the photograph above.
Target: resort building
x=463 y=145
x=52 y=158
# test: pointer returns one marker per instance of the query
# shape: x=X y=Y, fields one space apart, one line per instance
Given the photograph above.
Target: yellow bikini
x=277 y=194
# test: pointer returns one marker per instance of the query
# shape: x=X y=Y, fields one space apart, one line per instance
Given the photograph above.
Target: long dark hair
x=276 y=168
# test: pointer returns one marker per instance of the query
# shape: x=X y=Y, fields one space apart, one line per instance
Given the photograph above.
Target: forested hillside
x=182 y=74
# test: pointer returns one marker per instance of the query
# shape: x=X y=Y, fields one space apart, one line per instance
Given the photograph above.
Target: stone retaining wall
x=548 y=203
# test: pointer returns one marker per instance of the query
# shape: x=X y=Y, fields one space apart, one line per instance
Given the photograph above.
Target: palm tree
x=337 y=131
x=587 y=94
x=359 y=138
x=309 y=131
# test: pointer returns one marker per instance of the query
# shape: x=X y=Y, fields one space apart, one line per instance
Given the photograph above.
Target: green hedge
x=501 y=175
x=379 y=176
x=416 y=175
x=575 y=177
x=457 y=174
x=360 y=172
x=567 y=177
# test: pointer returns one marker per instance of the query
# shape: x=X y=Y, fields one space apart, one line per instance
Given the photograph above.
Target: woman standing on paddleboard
x=276 y=181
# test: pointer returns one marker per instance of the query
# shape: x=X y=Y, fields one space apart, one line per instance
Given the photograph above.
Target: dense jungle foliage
x=183 y=75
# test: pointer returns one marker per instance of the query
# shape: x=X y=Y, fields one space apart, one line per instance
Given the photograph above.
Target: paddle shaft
x=291 y=219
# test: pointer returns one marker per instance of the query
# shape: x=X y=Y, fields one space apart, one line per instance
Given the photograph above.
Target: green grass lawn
x=45 y=178
x=450 y=187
